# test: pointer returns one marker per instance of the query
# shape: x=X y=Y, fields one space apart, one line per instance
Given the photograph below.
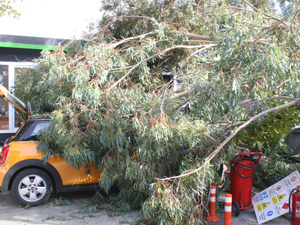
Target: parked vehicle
x=23 y=171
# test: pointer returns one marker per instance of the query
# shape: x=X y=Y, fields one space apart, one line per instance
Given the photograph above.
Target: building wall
x=18 y=55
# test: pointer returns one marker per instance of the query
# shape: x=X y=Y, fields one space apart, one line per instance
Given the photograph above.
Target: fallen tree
x=112 y=96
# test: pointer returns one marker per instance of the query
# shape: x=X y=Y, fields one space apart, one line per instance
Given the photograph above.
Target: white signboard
x=274 y=201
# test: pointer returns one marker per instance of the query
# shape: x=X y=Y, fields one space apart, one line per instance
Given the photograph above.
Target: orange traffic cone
x=212 y=205
x=228 y=205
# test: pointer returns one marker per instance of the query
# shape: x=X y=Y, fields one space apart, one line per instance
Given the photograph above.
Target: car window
x=31 y=130
x=40 y=128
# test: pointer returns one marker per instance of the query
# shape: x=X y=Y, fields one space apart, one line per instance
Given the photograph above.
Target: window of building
x=9 y=120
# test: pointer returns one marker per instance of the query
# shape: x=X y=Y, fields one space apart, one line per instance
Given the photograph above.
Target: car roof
x=39 y=117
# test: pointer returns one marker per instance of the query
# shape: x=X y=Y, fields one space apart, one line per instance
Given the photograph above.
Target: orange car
x=23 y=171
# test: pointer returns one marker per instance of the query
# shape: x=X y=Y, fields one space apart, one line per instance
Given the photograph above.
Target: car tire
x=32 y=187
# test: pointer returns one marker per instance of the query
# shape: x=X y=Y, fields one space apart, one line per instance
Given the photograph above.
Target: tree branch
x=114 y=45
x=275 y=25
x=233 y=134
x=253 y=7
x=157 y=54
x=197 y=36
x=266 y=99
x=140 y=17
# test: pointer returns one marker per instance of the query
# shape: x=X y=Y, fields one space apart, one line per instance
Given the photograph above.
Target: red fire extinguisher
x=295 y=214
x=242 y=170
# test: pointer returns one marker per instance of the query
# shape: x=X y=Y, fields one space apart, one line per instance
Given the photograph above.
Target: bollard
x=212 y=205
x=228 y=204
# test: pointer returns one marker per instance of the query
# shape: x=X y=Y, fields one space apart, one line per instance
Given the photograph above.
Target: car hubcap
x=32 y=188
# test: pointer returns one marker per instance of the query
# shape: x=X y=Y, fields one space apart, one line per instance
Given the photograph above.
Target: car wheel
x=32 y=187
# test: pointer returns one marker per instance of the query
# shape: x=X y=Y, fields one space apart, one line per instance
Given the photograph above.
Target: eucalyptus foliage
x=7 y=9
x=111 y=96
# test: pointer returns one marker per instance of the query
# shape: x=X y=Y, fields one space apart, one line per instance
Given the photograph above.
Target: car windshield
x=31 y=130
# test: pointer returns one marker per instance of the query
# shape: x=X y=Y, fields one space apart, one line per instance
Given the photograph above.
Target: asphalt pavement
x=247 y=216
